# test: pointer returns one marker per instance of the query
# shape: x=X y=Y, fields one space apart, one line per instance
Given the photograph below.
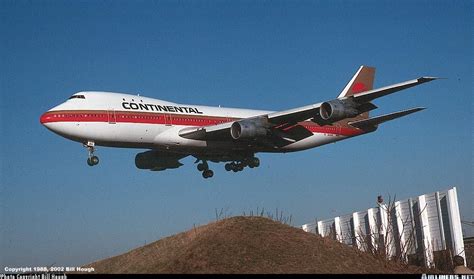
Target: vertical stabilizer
x=362 y=81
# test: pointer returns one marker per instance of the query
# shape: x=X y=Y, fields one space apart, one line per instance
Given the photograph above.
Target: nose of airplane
x=44 y=118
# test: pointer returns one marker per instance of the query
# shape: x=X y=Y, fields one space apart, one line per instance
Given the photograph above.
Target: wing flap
x=206 y=132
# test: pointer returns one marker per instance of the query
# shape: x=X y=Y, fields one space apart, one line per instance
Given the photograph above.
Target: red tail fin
x=362 y=81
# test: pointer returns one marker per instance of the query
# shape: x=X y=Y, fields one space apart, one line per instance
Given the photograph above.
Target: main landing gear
x=204 y=167
x=91 y=159
x=239 y=166
x=235 y=166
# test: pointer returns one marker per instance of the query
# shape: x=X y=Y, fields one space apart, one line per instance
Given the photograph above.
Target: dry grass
x=248 y=245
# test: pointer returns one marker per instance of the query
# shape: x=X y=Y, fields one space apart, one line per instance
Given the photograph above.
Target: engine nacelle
x=248 y=129
x=154 y=160
x=336 y=110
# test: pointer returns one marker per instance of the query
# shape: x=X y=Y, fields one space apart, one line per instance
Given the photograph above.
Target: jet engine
x=335 y=110
x=156 y=161
x=248 y=129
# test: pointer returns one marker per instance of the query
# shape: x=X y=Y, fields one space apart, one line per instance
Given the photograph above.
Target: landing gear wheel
x=201 y=167
x=254 y=162
x=95 y=160
x=207 y=173
x=228 y=167
x=92 y=161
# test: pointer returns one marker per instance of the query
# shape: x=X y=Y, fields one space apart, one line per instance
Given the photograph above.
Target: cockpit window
x=77 y=97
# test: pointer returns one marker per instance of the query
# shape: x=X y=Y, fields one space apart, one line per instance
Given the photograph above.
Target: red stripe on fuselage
x=171 y=119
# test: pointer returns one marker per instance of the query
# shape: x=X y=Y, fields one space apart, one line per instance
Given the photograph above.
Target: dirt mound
x=247 y=245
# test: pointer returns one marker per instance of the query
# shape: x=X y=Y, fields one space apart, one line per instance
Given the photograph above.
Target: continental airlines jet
x=173 y=131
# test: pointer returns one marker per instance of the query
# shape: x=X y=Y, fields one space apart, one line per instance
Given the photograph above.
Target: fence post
x=321 y=228
x=440 y=222
x=455 y=221
x=425 y=231
x=337 y=227
x=401 y=231
x=372 y=228
x=356 y=224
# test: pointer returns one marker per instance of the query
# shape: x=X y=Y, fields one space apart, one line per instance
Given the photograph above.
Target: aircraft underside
x=237 y=155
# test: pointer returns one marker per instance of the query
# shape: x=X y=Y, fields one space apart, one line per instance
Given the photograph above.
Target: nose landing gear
x=91 y=159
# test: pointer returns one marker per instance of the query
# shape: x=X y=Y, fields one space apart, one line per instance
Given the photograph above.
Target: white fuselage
x=123 y=120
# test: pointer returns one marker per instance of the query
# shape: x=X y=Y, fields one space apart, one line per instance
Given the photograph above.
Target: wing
x=370 y=95
x=283 y=125
x=309 y=112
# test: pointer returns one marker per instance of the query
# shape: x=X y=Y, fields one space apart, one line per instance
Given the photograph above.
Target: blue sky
x=250 y=54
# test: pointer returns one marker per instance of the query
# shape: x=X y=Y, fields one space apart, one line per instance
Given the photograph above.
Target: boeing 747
x=173 y=131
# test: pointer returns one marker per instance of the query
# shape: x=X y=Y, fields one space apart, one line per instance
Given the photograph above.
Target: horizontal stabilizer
x=373 y=122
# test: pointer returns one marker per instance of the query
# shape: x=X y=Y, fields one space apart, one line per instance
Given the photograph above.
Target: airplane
x=172 y=131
